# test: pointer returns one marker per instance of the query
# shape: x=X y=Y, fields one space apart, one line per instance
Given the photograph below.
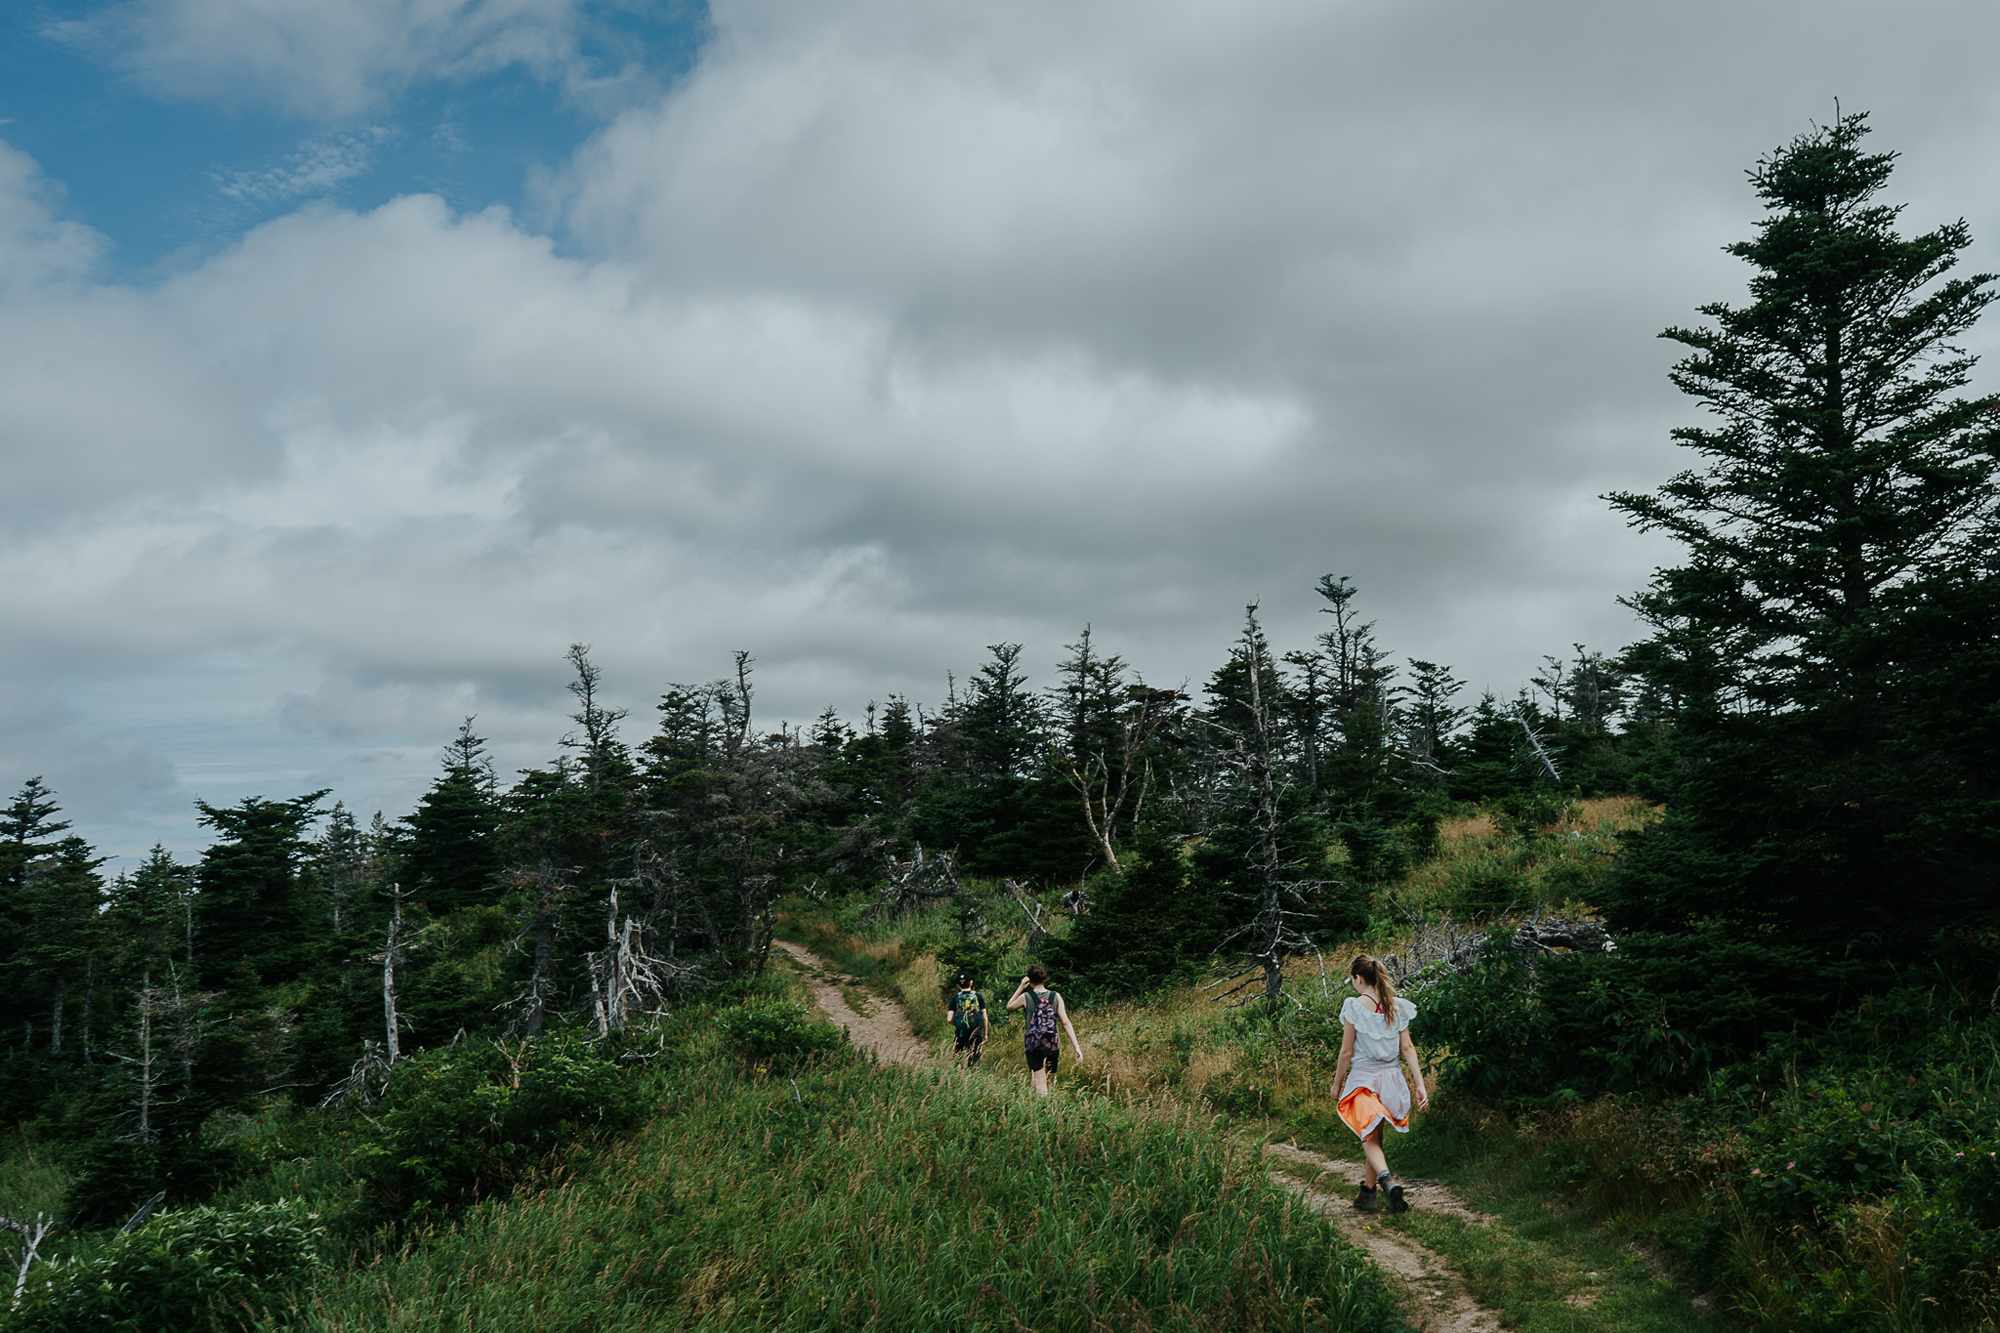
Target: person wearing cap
x=966 y=1013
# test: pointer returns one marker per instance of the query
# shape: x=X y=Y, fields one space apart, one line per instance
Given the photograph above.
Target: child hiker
x=1375 y=1023
x=967 y=1014
x=1045 y=1009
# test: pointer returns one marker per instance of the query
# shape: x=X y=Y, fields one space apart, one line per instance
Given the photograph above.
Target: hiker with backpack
x=1375 y=1034
x=966 y=1012
x=1045 y=1010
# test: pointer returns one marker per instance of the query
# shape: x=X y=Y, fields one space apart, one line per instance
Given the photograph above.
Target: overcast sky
x=358 y=356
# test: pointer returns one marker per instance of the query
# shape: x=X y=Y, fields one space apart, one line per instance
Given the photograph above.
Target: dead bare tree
x=626 y=979
x=1437 y=949
x=1031 y=908
x=722 y=805
x=1536 y=747
x=365 y=1082
x=32 y=1235
x=671 y=900
x=146 y=1077
x=184 y=1017
x=915 y=883
x=1114 y=778
x=391 y=957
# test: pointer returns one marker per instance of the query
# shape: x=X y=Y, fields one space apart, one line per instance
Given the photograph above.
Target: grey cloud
x=99 y=774
x=898 y=330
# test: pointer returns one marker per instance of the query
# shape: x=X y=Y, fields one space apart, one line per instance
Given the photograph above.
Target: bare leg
x=1040 y=1078
x=1371 y=1152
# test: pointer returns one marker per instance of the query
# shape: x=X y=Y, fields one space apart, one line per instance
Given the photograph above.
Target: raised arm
x=1019 y=999
x=1416 y=1071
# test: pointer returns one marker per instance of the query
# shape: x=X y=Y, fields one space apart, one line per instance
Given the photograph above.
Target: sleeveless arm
x=1062 y=1012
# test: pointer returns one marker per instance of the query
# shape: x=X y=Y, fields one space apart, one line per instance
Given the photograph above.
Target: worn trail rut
x=882 y=1026
x=1433 y=1298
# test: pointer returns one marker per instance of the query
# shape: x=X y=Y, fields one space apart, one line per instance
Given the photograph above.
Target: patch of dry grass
x=1483 y=871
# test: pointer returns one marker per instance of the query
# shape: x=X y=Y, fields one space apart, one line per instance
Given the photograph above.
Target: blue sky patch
x=170 y=179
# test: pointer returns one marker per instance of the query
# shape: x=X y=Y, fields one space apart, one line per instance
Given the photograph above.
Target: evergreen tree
x=254 y=926
x=62 y=950
x=1433 y=719
x=453 y=855
x=1366 y=777
x=1844 y=501
x=1152 y=925
x=976 y=799
x=151 y=910
x=28 y=833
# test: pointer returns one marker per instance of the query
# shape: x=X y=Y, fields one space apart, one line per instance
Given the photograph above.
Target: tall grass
x=1482 y=871
x=31 y=1179
x=861 y=1198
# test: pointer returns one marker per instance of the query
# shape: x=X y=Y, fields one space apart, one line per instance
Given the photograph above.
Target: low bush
x=470 y=1122
x=779 y=1036
x=198 y=1269
x=114 y=1175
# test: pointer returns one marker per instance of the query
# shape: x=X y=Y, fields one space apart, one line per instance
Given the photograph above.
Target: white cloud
x=328 y=58
x=894 y=331
x=320 y=165
x=37 y=247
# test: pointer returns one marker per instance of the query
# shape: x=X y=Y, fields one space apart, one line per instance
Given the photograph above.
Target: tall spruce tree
x=1838 y=538
x=254 y=926
x=62 y=951
x=29 y=832
x=454 y=852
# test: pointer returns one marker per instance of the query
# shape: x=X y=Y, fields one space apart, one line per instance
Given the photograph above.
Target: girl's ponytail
x=1377 y=976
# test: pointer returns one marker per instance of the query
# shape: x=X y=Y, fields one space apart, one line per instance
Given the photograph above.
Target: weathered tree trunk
x=32 y=1235
x=392 y=953
x=146 y=1078
x=1271 y=930
x=89 y=994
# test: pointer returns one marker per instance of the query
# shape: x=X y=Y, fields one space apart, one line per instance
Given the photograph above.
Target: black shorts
x=1039 y=1060
x=970 y=1041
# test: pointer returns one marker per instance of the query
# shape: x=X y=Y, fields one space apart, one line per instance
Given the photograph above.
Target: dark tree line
x=305 y=943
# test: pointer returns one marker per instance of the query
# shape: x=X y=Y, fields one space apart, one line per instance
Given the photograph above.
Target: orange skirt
x=1363 y=1110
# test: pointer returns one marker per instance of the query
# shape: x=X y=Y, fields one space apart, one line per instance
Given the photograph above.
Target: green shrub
x=115 y=1176
x=1377 y=852
x=1834 y=1141
x=198 y=1269
x=779 y=1036
x=469 y=1123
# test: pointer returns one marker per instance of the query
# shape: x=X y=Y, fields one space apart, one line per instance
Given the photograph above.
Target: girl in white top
x=1375 y=1034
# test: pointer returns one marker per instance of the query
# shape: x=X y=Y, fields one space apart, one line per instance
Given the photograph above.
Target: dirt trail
x=882 y=1028
x=1434 y=1300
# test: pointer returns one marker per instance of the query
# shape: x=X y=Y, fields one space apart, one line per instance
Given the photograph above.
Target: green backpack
x=966 y=1007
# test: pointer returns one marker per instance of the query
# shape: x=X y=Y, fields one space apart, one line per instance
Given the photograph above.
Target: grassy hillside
x=771 y=1182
